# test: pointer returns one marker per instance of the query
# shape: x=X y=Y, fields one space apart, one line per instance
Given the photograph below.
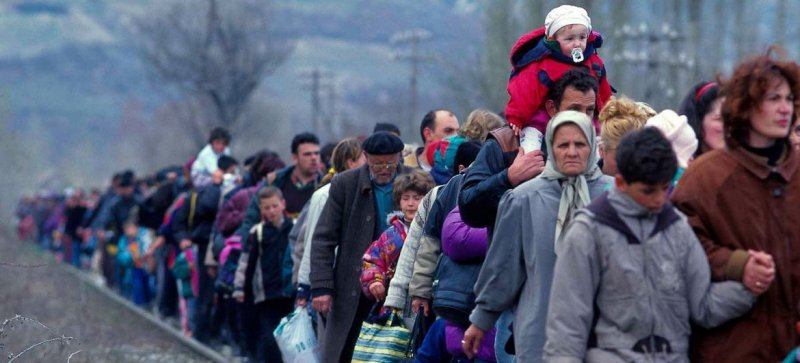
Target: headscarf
x=574 y=190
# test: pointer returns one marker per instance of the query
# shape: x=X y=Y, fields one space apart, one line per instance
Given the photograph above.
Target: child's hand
x=377 y=290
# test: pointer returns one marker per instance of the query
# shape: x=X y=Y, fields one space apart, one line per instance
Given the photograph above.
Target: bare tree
x=218 y=51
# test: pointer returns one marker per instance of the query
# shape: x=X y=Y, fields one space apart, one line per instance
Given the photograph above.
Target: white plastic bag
x=296 y=338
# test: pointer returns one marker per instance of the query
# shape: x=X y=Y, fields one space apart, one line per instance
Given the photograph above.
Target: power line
x=413 y=56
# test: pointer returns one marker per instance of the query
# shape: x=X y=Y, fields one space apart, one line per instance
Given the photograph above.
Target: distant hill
x=69 y=67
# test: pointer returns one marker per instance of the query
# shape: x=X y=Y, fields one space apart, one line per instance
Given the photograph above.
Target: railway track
x=56 y=313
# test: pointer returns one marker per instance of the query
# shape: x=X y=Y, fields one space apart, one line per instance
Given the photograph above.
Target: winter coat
x=184 y=268
x=265 y=267
x=397 y=296
x=461 y=242
x=380 y=259
x=115 y=213
x=635 y=279
x=347 y=222
x=230 y=216
x=484 y=184
x=736 y=202
x=131 y=252
x=421 y=284
x=297 y=241
x=536 y=68
x=156 y=205
x=518 y=270
x=197 y=226
x=315 y=206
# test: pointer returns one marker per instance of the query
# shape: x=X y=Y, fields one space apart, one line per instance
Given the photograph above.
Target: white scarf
x=574 y=190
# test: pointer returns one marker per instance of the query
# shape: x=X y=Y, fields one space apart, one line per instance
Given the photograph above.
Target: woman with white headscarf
x=518 y=269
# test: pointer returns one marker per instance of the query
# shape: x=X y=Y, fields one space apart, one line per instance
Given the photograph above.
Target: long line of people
x=550 y=238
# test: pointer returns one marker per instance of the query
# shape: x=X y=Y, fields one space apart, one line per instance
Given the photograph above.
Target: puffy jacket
x=461 y=242
x=380 y=259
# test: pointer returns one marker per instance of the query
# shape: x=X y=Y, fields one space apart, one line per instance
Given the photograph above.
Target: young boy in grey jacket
x=631 y=275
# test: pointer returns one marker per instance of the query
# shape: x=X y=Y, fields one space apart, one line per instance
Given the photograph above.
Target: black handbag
x=421 y=325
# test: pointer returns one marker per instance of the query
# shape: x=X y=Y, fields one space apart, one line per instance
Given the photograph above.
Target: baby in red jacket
x=540 y=57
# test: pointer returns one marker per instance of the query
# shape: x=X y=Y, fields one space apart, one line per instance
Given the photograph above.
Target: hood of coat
x=531 y=47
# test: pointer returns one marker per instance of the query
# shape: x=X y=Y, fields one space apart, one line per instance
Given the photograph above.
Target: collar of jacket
x=364 y=182
x=787 y=165
x=605 y=213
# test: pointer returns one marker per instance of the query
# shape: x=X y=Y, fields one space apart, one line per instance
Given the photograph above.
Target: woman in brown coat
x=744 y=203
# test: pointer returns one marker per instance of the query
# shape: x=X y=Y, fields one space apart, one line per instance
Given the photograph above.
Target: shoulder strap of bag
x=192 y=205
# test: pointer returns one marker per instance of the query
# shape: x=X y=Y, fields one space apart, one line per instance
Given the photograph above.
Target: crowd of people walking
x=585 y=227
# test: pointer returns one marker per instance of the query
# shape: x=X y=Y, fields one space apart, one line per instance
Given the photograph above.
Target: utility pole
x=413 y=37
x=316 y=80
x=334 y=125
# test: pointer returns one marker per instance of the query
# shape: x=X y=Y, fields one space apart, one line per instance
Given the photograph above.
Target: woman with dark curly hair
x=742 y=202
x=702 y=109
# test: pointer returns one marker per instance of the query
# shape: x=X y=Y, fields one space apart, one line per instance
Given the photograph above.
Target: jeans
x=503 y=334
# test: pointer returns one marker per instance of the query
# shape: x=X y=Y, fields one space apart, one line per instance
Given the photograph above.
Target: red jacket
x=535 y=68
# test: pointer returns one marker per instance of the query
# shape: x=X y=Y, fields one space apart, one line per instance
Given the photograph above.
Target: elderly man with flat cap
x=353 y=217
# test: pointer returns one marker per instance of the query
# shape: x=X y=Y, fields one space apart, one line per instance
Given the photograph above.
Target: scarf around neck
x=575 y=189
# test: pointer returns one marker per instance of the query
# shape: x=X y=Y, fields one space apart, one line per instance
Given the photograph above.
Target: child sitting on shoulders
x=539 y=59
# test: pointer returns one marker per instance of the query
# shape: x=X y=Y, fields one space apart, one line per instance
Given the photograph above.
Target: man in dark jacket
x=501 y=165
x=354 y=216
x=297 y=182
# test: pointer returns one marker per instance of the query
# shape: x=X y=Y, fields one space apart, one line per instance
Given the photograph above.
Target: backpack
x=453 y=289
x=229 y=262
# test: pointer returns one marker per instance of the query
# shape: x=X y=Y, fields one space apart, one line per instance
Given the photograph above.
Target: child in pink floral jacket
x=380 y=259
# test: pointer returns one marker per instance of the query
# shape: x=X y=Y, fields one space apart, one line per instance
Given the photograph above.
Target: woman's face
x=714 y=138
x=609 y=161
x=571 y=149
x=772 y=118
x=357 y=163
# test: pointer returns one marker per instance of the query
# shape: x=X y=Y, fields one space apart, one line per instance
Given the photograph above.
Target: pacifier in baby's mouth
x=577 y=55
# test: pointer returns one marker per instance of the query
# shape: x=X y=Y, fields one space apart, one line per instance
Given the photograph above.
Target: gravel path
x=38 y=289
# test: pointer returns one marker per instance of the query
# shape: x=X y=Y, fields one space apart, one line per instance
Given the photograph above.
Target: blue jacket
x=484 y=185
x=265 y=265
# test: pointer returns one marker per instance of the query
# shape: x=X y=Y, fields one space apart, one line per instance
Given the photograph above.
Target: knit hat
x=441 y=156
x=677 y=130
x=566 y=15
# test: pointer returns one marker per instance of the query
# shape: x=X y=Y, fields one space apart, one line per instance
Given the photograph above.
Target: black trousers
x=270 y=313
x=362 y=311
